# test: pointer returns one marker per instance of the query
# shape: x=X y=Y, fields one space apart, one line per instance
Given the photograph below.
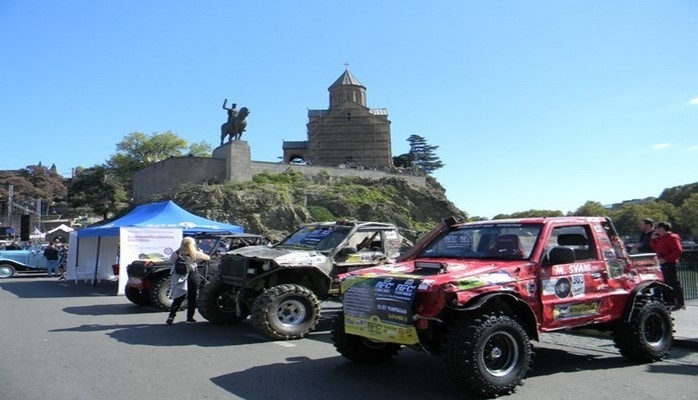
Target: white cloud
x=693 y=101
x=660 y=146
x=693 y=148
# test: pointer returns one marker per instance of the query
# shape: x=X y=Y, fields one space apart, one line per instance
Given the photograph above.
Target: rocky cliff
x=275 y=204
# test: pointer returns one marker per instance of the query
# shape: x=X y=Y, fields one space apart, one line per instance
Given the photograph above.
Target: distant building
x=348 y=139
x=348 y=134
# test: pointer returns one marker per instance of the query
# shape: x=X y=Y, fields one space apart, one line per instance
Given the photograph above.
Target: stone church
x=348 y=139
x=348 y=134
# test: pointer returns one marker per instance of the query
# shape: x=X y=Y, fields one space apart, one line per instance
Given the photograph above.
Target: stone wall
x=310 y=170
x=231 y=162
x=166 y=175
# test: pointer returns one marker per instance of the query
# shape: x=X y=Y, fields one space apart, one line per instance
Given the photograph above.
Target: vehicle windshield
x=206 y=244
x=490 y=241
x=320 y=238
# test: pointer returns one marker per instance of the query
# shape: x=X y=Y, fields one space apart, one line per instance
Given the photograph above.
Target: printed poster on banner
x=380 y=308
x=156 y=244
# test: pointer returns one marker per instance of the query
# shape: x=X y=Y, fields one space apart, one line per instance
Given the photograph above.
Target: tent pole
x=77 y=257
x=94 y=278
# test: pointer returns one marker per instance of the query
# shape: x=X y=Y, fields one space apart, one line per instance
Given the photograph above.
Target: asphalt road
x=62 y=341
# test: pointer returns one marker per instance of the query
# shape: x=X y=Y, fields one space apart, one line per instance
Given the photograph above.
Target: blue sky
x=533 y=104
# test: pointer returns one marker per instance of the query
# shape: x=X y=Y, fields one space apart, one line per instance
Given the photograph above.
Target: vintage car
x=29 y=260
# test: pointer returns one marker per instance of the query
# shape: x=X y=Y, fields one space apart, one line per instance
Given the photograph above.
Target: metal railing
x=688 y=274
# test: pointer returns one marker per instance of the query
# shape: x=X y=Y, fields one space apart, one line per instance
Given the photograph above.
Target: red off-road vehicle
x=478 y=293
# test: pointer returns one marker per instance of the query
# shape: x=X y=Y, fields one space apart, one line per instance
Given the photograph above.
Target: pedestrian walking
x=668 y=247
x=185 y=283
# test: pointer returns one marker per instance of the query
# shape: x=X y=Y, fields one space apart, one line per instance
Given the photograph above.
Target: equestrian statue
x=236 y=124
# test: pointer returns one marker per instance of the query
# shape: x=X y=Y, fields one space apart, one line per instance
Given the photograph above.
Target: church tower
x=349 y=133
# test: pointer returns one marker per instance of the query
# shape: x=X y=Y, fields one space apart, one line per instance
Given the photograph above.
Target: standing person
x=185 y=284
x=62 y=261
x=51 y=254
x=646 y=228
x=668 y=247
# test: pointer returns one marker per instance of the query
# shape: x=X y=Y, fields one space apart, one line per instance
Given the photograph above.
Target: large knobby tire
x=648 y=334
x=360 y=349
x=489 y=354
x=217 y=304
x=138 y=297
x=286 y=312
x=160 y=294
x=6 y=271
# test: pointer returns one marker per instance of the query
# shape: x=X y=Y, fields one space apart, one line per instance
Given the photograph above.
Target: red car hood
x=434 y=273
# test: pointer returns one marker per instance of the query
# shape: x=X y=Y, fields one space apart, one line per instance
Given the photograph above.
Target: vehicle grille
x=234 y=268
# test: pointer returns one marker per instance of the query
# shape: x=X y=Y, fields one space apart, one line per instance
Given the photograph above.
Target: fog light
x=251 y=271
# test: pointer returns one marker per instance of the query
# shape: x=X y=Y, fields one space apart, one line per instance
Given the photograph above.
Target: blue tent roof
x=165 y=214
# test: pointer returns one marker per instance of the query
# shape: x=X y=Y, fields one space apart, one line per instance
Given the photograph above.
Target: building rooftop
x=347 y=79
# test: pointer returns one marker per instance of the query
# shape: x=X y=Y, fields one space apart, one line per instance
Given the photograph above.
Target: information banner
x=380 y=308
x=156 y=244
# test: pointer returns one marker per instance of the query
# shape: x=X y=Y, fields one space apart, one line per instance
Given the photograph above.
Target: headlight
x=266 y=266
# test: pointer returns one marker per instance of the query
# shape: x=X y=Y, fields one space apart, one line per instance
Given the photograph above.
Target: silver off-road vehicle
x=281 y=286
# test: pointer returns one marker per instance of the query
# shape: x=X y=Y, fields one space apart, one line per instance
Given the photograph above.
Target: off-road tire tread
x=208 y=305
x=629 y=336
x=463 y=344
x=158 y=294
x=261 y=309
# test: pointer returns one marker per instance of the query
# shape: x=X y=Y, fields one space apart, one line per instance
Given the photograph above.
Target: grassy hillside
x=275 y=204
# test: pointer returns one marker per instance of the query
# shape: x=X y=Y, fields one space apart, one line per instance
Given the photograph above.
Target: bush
x=320 y=213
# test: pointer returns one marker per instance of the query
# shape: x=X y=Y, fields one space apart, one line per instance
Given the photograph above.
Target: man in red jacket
x=668 y=247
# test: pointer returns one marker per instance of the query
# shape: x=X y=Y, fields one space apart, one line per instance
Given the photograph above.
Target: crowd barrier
x=688 y=274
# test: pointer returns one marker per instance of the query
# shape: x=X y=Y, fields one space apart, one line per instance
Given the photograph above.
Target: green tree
x=591 y=209
x=687 y=215
x=138 y=150
x=98 y=190
x=625 y=218
x=403 y=161
x=421 y=156
x=201 y=149
x=678 y=194
x=34 y=182
x=530 y=214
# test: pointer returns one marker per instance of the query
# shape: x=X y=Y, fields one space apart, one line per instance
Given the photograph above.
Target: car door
x=572 y=279
x=365 y=248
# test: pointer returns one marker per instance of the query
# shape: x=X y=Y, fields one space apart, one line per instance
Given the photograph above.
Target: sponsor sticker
x=380 y=308
x=576 y=310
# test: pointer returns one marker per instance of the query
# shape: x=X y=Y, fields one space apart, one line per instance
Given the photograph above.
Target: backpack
x=182 y=264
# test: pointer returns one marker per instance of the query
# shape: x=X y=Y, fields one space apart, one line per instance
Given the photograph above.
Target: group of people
x=56 y=255
x=659 y=238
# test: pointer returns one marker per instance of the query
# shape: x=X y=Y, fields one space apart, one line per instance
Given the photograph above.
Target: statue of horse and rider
x=236 y=124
